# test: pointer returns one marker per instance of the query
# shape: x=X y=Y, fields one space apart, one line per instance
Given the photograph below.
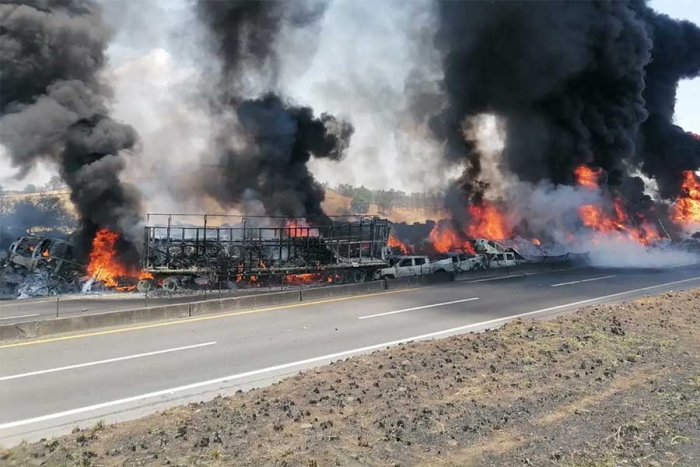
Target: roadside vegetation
x=614 y=385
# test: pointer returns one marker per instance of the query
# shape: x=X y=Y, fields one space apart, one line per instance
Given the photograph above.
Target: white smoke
x=371 y=60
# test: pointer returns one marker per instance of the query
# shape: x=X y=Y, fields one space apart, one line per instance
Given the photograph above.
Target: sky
x=148 y=57
x=688 y=98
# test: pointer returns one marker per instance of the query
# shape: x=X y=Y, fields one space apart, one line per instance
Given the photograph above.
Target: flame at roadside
x=486 y=221
x=397 y=244
x=444 y=238
x=300 y=228
x=686 y=209
x=105 y=267
x=617 y=223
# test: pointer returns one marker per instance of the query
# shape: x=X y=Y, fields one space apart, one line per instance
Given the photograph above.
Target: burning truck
x=260 y=251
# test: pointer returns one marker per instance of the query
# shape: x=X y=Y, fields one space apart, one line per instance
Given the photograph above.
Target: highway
x=50 y=385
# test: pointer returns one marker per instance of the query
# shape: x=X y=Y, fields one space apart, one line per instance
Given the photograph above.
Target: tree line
x=386 y=200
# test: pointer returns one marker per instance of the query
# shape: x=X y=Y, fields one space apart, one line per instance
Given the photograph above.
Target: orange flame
x=686 y=209
x=104 y=265
x=445 y=239
x=596 y=218
x=587 y=177
x=487 y=222
x=300 y=228
x=299 y=279
x=536 y=241
x=394 y=242
x=45 y=253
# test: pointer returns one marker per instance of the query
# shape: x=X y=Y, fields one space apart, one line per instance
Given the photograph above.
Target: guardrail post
x=57 y=305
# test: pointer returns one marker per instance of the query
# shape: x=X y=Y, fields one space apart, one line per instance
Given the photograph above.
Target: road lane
x=102 y=362
x=415 y=308
x=591 y=279
x=251 y=342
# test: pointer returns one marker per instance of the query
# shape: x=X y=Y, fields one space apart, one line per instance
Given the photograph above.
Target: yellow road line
x=200 y=318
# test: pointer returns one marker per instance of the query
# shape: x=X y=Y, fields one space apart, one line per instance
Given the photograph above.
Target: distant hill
x=336 y=204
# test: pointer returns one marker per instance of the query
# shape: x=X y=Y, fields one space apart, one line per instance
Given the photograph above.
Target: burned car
x=39 y=266
x=34 y=252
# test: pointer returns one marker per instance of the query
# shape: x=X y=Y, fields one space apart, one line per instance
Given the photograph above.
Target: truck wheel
x=170 y=284
x=144 y=286
x=440 y=271
x=358 y=277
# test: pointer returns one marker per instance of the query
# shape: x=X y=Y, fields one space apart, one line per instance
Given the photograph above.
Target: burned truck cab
x=32 y=252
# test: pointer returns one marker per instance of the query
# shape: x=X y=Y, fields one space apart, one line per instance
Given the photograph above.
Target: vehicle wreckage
x=247 y=252
x=39 y=266
x=263 y=250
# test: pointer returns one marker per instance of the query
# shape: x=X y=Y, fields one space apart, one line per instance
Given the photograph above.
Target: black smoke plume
x=52 y=107
x=273 y=166
x=588 y=82
x=276 y=140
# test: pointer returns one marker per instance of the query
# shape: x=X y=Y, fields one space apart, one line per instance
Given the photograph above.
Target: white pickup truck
x=405 y=266
x=459 y=262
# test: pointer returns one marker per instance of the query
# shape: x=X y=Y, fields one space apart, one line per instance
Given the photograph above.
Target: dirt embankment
x=608 y=386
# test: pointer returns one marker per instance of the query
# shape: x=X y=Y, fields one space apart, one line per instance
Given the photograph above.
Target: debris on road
x=609 y=385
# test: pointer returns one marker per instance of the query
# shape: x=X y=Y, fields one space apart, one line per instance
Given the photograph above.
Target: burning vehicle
x=257 y=251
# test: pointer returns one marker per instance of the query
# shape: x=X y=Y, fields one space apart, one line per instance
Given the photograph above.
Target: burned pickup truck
x=38 y=266
x=263 y=250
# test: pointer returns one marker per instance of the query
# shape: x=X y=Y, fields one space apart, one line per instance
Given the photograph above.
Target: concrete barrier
x=11 y=332
x=440 y=278
x=320 y=293
x=207 y=306
x=101 y=320
x=270 y=299
x=403 y=283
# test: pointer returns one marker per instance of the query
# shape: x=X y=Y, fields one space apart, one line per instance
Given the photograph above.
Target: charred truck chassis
x=342 y=250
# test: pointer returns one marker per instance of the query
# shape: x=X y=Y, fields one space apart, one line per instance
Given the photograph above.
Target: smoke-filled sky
x=354 y=63
x=688 y=104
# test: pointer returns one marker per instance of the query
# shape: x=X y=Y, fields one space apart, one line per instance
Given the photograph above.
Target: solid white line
x=20 y=316
x=100 y=362
x=334 y=356
x=417 y=308
x=583 y=280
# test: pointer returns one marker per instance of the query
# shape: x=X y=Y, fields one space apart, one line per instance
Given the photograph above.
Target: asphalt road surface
x=50 y=385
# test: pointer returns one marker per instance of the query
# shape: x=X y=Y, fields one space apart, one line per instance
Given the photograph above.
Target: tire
x=170 y=284
x=440 y=271
x=358 y=277
x=144 y=285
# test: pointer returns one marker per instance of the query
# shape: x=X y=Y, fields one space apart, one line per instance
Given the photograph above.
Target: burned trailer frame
x=349 y=248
